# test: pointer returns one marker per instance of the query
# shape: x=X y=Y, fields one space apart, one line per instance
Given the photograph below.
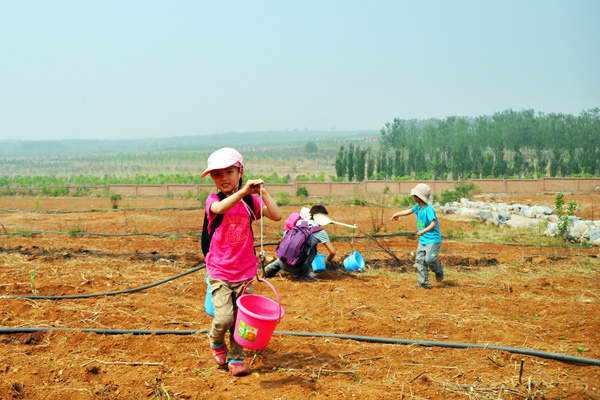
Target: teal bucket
x=354 y=262
x=208 y=304
x=318 y=264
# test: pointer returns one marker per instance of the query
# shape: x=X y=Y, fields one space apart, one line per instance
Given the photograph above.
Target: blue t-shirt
x=424 y=217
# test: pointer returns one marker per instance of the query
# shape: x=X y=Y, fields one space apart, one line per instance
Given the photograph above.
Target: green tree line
x=508 y=144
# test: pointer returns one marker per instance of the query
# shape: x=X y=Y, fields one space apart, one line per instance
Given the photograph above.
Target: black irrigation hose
x=408 y=234
x=86 y=296
x=554 y=356
x=77 y=233
x=371 y=339
x=541 y=354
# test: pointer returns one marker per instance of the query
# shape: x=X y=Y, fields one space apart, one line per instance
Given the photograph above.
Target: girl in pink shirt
x=231 y=261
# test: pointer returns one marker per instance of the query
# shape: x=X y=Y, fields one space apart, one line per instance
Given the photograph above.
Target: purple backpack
x=293 y=249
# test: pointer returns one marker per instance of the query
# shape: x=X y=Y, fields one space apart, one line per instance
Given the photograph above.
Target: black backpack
x=206 y=235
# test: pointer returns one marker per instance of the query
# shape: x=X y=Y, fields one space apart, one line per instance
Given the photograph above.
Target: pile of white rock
x=518 y=215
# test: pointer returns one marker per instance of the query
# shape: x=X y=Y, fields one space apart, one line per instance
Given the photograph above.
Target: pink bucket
x=257 y=318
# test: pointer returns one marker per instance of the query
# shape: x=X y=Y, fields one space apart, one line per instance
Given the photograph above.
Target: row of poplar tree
x=508 y=144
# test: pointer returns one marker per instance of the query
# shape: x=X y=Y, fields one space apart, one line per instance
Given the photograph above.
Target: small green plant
x=580 y=349
x=32 y=282
x=74 y=232
x=37 y=204
x=159 y=391
x=357 y=201
x=199 y=371
x=114 y=200
x=356 y=378
x=563 y=215
x=203 y=195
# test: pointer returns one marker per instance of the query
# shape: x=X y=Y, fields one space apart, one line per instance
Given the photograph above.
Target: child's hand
x=253 y=186
x=395 y=217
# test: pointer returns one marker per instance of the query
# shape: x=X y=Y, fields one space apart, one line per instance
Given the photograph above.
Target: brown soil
x=544 y=299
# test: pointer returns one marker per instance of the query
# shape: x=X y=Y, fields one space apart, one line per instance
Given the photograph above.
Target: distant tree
x=350 y=162
x=500 y=165
x=518 y=163
x=382 y=164
x=555 y=162
x=398 y=163
x=488 y=165
x=359 y=164
x=370 y=164
x=340 y=164
x=310 y=148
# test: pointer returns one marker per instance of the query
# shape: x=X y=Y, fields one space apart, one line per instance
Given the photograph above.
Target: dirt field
x=545 y=300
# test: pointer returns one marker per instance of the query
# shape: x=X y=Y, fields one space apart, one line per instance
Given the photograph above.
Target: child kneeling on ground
x=304 y=270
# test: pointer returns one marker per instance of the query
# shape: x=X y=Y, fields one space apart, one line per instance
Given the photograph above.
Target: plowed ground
x=509 y=295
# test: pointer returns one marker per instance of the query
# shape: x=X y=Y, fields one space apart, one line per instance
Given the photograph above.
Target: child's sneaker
x=269 y=272
x=238 y=368
x=422 y=286
x=219 y=353
x=439 y=276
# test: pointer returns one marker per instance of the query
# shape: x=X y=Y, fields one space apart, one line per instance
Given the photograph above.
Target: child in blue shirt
x=428 y=231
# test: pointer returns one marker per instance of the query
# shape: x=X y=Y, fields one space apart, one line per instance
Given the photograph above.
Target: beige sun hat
x=423 y=192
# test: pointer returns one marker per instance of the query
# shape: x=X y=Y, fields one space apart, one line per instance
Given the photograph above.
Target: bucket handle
x=272 y=288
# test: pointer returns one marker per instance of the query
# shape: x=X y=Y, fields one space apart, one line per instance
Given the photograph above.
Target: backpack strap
x=216 y=222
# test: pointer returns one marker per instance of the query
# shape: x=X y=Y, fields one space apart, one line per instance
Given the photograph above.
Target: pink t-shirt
x=231 y=257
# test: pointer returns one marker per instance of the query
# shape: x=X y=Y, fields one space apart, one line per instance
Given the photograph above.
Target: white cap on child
x=223 y=158
x=305 y=213
x=423 y=192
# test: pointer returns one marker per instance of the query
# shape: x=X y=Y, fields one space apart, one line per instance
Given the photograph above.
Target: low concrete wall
x=346 y=189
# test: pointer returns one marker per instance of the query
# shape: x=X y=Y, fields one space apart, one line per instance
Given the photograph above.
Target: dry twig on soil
x=123 y=363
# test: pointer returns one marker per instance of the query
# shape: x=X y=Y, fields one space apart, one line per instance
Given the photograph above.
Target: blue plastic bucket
x=354 y=262
x=318 y=264
x=208 y=304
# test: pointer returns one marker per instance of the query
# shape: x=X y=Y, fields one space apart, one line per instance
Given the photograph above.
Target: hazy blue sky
x=135 y=69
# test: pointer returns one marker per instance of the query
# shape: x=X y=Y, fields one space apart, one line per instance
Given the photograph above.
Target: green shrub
x=282 y=198
x=114 y=200
x=564 y=214
x=301 y=192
